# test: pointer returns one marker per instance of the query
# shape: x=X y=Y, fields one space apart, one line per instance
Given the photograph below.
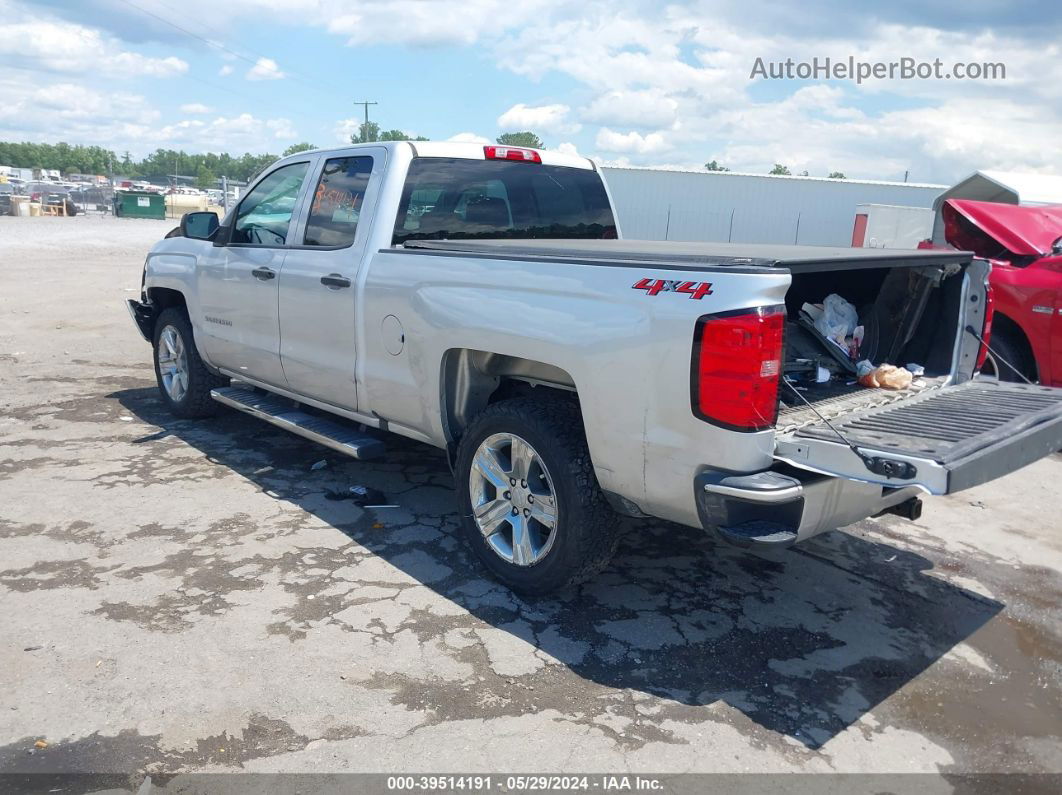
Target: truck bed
x=835 y=401
x=693 y=256
x=816 y=271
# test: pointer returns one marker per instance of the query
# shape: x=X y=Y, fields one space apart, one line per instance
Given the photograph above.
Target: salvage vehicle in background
x=1024 y=245
x=476 y=298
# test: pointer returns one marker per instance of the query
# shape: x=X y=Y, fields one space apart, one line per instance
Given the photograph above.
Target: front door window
x=264 y=215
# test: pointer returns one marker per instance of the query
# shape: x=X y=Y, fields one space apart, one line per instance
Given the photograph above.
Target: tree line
x=370 y=131
x=778 y=170
x=78 y=159
x=205 y=167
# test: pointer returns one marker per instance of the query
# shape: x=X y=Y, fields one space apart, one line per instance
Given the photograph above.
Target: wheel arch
x=472 y=379
x=165 y=297
x=1006 y=326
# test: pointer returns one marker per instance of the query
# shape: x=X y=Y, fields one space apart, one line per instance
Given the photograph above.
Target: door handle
x=263 y=274
x=334 y=281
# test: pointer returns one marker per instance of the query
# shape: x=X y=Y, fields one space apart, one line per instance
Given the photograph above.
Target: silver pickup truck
x=482 y=300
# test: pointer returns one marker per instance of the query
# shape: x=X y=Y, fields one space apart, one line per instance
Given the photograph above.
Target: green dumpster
x=139 y=204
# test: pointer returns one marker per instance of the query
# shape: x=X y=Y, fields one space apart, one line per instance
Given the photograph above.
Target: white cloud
x=265 y=69
x=195 y=107
x=629 y=142
x=470 y=138
x=440 y=22
x=33 y=112
x=567 y=148
x=420 y=23
x=936 y=144
x=678 y=79
x=344 y=128
x=225 y=70
x=540 y=118
x=282 y=129
x=610 y=51
x=68 y=103
x=643 y=109
x=652 y=81
x=122 y=120
x=46 y=46
x=244 y=132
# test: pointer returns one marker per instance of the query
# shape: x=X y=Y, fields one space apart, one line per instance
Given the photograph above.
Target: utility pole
x=366 y=104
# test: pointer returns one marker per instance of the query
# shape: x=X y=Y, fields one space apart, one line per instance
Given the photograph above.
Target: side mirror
x=200 y=226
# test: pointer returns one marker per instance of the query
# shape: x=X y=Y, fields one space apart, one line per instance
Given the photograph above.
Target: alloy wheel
x=173 y=363
x=513 y=501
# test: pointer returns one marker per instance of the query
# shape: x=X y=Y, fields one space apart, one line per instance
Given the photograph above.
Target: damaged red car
x=1024 y=245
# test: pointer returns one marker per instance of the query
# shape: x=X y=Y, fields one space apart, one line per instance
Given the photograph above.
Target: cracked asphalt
x=190 y=596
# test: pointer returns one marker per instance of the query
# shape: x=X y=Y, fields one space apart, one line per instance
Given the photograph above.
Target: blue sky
x=625 y=81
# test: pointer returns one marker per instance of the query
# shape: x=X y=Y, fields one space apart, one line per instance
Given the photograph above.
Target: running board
x=282 y=413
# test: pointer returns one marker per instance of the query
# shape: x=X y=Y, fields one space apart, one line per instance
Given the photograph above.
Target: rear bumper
x=143 y=316
x=777 y=508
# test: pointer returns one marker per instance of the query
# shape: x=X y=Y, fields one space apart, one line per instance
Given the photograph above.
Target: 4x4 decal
x=695 y=290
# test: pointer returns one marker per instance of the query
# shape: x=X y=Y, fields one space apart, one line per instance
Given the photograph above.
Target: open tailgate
x=945 y=440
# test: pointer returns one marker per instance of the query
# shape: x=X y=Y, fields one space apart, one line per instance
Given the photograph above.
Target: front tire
x=184 y=381
x=531 y=507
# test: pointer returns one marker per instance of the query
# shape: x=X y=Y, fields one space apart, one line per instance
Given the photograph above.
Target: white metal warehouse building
x=658 y=204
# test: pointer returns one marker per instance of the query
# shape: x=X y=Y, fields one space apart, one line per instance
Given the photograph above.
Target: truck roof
x=461 y=149
x=694 y=256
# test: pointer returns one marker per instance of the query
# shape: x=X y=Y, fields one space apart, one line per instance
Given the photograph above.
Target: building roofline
x=704 y=173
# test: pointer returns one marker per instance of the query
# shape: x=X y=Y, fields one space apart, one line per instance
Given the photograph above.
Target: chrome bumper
x=778 y=509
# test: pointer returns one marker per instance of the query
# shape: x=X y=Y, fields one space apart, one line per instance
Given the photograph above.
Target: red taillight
x=986 y=329
x=511 y=153
x=737 y=364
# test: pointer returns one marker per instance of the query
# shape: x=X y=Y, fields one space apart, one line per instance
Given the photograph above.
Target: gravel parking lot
x=190 y=596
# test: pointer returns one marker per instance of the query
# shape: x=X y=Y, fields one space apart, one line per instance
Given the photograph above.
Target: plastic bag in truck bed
x=838 y=319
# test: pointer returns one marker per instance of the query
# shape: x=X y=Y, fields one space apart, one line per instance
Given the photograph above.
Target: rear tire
x=1013 y=353
x=184 y=381
x=585 y=530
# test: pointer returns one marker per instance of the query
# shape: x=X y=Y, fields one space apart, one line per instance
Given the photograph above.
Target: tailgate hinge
x=889 y=468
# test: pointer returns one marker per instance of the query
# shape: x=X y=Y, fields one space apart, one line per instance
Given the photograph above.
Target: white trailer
x=891 y=226
x=16 y=173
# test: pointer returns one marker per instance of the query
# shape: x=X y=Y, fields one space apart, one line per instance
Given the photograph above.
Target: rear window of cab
x=461 y=199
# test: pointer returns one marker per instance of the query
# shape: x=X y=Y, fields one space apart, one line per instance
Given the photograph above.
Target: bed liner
x=845 y=400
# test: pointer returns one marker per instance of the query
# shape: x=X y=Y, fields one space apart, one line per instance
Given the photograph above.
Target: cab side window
x=337 y=202
x=264 y=215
